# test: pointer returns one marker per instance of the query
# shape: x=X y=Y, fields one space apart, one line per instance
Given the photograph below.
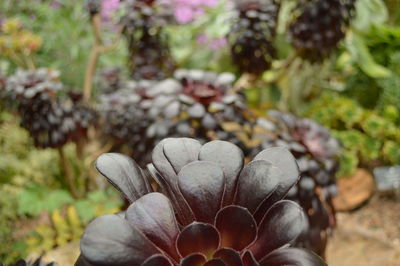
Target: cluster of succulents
x=195 y=103
x=366 y=136
x=149 y=54
x=50 y=122
x=320 y=26
x=202 y=102
x=199 y=104
x=125 y=112
x=317 y=153
x=252 y=34
x=212 y=209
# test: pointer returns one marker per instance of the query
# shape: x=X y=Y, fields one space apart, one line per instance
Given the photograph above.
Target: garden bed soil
x=368 y=236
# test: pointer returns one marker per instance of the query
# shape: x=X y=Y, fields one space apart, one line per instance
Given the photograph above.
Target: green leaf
x=36 y=199
x=348 y=163
x=86 y=210
x=361 y=55
x=368 y=14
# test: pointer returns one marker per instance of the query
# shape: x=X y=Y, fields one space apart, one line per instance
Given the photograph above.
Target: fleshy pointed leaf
x=230 y=158
x=292 y=256
x=166 y=177
x=236 y=226
x=124 y=174
x=110 y=240
x=198 y=238
x=229 y=256
x=285 y=161
x=281 y=224
x=256 y=182
x=161 y=162
x=202 y=184
x=153 y=215
x=181 y=151
x=157 y=260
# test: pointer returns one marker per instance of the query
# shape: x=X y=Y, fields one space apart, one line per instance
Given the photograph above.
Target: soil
x=368 y=236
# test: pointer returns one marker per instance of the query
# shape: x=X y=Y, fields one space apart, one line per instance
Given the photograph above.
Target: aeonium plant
x=210 y=209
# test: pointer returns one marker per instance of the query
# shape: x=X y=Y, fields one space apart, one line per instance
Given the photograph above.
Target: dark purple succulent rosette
x=252 y=35
x=193 y=104
x=49 y=121
x=149 y=53
x=212 y=209
x=199 y=103
x=320 y=26
x=127 y=118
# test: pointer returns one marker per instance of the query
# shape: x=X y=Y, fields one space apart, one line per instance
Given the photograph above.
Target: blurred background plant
x=346 y=77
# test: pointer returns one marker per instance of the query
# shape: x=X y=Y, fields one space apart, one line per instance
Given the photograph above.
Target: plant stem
x=94 y=57
x=67 y=172
x=97 y=49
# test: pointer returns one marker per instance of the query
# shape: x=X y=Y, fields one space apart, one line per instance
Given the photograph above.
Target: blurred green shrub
x=32 y=189
x=66 y=35
x=68 y=221
x=369 y=138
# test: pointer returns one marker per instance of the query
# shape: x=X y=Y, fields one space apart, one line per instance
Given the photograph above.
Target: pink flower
x=218 y=43
x=210 y=3
x=202 y=39
x=183 y=14
x=108 y=7
x=186 y=11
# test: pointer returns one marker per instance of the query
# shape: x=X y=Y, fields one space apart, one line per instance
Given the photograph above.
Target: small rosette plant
x=212 y=209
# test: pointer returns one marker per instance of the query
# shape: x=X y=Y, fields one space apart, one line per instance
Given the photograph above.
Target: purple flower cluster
x=186 y=11
x=212 y=43
x=108 y=7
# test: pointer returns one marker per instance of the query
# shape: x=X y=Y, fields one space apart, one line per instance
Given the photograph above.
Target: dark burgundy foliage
x=195 y=103
x=316 y=152
x=110 y=80
x=210 y=209
x=50 y=122
x=149 y=55
x=126 y=118
x=199 y=104
x=253 y=33
x=320 y=26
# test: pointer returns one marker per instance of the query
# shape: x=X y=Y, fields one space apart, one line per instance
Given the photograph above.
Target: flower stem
x=67 y=172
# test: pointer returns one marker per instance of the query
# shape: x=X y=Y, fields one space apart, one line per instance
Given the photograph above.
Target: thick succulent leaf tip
x=202 y=184
x=181 y=151
x=230 y=158
x=110 y=240
x=286 y=162
x=124 y=174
